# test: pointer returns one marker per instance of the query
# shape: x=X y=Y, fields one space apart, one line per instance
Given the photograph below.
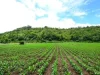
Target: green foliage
x=54 y=68
x=21 y=43
x=47 y=34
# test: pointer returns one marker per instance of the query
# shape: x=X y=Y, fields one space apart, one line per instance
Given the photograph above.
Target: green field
x=50 y=59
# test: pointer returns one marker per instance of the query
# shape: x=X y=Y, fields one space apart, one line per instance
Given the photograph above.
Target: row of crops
x=50 y=59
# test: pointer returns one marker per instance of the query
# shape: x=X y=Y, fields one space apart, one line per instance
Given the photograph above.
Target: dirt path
x=84 y=71
x=72 y=57
x=70 y=68
x=49 y=69
x=60 y=68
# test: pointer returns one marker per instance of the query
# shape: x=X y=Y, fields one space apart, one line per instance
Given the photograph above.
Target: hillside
x=47 y=34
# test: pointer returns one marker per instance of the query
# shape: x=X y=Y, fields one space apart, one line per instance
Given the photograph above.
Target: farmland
x=50 y=59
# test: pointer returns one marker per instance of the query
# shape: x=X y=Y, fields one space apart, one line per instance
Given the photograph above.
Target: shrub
x=21 y=43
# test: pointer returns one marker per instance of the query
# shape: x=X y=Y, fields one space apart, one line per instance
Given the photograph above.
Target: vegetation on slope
x=47 y=34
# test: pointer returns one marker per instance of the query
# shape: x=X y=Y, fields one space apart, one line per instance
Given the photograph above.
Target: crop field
x=50 y=59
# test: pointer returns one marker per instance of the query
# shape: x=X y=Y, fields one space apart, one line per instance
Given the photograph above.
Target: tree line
x=47 y=34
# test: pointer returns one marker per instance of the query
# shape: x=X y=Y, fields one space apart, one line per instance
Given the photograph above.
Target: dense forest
x=47 y=34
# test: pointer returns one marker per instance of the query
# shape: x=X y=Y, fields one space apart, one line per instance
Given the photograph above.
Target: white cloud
x=40 y=12
x=65 y=23
x=74 y=7
x=13 y=14
x=17 y=14
x=52 y=5
x=79 y=13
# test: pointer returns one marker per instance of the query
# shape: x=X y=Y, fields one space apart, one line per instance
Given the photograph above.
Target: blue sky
x=52 y=13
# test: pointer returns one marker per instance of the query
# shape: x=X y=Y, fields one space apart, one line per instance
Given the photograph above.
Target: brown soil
x=84 y=71
x=70 y=68
x=49 y=69
x=14 y=73
x=60 y=68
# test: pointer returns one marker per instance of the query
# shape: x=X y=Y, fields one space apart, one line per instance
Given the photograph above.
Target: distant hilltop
x=47 y=34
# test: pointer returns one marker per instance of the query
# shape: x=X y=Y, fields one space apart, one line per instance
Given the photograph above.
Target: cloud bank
x=40 y=13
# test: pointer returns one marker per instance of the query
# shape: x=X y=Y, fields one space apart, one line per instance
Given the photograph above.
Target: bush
x=21 y=43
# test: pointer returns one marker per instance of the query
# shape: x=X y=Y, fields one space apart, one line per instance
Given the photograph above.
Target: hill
x=47 y=34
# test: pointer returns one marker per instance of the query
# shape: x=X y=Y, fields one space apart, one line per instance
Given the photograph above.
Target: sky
x=51 y=13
